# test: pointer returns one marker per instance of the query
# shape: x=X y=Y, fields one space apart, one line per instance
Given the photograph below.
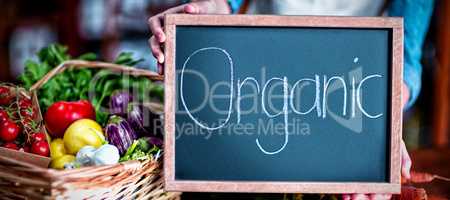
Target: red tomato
x=37 y=137
x=62 y=113
x=28 y=112
x=40 y=148
x=5 y=96
x=9 y=131
x=26 y=108
x=11 y=145
x=3 y=116
x=25 y=103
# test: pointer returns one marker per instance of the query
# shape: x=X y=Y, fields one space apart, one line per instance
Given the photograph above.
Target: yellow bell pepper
x=57 y=148
x=61 y=161
x=58 y=154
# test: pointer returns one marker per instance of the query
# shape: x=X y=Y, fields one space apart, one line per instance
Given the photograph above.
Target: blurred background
x=107 y=27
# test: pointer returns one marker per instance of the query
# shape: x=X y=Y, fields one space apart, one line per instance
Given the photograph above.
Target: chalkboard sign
x=283 y=104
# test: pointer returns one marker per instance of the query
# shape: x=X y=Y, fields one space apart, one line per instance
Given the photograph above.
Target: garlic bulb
x=85 y=155
x=106 y=155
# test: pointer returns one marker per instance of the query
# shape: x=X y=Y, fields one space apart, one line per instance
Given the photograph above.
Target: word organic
x=320 y=82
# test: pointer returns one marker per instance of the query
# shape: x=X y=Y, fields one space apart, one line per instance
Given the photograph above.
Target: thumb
x=406 y=162
x=200 y=7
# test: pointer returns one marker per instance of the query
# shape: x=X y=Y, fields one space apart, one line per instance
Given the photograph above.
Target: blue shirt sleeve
x=235 y=5
x=416 y=14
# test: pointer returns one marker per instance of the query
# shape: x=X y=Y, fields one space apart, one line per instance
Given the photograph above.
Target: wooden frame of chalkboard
x=394 y=126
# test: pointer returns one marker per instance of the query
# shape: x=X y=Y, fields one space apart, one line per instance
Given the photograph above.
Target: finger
x=155 y=22
x=156 y=50
x=200 y=7
x=405 y=95
x=346 y=197
x=156 y=28
x=360 y=197
x=191 y=9
x=406 y=162
x=380 y=196
x=160 y=68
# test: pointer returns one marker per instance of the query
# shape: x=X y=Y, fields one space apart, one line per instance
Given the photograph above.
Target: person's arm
x=235 y=5
x=156 y=22
x=416 y=14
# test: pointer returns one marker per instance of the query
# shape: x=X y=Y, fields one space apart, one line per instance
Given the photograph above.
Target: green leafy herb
x=141 y=149
x=126 y=58
x=75 y=84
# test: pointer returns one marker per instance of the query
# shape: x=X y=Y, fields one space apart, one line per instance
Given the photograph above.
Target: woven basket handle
x=95 y=64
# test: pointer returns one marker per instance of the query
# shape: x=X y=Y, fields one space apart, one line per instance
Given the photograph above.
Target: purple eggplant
x=155 y=141
x=119 y=101
x=144 y=121
x=119 y=133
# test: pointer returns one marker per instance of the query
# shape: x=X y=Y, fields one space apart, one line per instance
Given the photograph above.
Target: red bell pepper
x=62 y=113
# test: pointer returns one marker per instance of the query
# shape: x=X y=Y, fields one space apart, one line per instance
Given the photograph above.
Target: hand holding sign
x=156 y=22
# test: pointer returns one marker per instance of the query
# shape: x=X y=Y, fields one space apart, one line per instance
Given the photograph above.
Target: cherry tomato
x=40 y=148
x=25 y=103
x=5 y=96
x=37 y=137
x=11 y=145
x=3 y=116
x=9 y=131
x=28 y=112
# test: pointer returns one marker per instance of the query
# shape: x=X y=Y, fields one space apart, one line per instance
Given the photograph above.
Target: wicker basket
x=127 y=180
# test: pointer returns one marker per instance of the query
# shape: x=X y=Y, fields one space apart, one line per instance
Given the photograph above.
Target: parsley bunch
x=81 y=83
